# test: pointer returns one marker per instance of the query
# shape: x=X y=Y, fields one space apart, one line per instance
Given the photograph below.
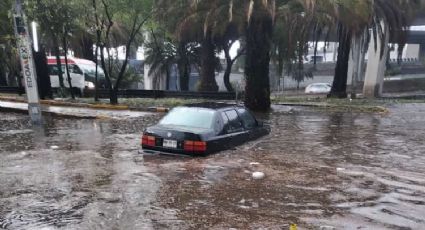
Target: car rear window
x=189 y=117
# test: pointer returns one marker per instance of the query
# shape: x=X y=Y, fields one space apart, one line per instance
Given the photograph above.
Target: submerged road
x=323 y=169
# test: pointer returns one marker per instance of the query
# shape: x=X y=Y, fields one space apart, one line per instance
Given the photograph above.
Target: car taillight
x=148 y=140
x=188 y=146
x=195 y=146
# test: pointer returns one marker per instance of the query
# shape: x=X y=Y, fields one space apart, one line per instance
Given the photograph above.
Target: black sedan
x=200 y=129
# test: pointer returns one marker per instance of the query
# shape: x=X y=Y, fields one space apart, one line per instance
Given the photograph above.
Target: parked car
x=318 y=88
x=201 y=129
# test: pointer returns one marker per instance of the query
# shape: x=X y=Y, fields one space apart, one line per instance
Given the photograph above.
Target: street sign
x=27 y=63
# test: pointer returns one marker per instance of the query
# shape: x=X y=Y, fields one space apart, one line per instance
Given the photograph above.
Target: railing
x=103 y=93
x=12 y=90
x=129 y=93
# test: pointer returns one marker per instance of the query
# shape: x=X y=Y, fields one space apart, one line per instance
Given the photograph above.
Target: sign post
x=27 y=63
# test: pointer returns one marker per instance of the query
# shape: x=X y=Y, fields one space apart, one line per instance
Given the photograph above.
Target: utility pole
x=27 y=63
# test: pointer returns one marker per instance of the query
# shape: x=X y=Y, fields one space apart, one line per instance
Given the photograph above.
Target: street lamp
x=34 y=36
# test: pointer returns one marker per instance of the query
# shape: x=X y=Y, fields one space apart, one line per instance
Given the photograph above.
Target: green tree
x=50 y=17
x=119 y=23
x=188 y=21
x=9 y=69
x=259 y=31
x=353 y=18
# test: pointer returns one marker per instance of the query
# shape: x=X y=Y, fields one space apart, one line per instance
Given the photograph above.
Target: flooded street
x=323 y=171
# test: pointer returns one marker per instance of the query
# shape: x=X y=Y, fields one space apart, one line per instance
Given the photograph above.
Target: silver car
x=318 y=88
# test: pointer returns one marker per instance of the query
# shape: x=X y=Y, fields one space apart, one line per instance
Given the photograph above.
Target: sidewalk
x=73 y=111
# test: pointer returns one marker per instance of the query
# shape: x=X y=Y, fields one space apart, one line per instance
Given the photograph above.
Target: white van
x=82 y=73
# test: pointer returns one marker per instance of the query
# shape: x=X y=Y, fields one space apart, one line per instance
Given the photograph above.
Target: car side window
x=218 y=125
x=76 y=70
x=225 y=122
x=53 y=70
x=234 y=122
x=248 y=120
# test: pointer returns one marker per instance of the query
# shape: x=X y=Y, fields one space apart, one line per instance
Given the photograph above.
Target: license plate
x=169 y=144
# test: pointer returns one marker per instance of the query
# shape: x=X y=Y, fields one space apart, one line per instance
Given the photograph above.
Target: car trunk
x=173 y=138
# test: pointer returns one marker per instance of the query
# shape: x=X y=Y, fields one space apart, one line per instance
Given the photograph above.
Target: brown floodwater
x=324 y=170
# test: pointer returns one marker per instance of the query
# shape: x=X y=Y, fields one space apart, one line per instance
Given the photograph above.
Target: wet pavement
x=323 y=171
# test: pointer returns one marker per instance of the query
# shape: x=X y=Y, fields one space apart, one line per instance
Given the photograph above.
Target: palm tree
x=191 y=22
x=352 y=19
x=258 y=36
x=161 y=55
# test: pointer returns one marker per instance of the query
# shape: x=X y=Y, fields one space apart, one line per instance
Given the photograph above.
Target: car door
x=235 y=129
x=249 y=122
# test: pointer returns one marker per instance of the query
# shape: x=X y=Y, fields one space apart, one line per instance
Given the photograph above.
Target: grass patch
x=139 y=102
x=337 y=105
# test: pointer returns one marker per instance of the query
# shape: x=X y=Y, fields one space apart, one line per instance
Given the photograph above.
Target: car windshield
x=189 y=117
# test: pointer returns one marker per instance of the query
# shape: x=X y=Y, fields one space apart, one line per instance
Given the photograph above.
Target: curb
x=158 y=109
x=368 y=109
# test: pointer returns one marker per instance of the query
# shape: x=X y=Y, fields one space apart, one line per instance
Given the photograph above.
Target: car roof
x=212 y=105
x=314 y=84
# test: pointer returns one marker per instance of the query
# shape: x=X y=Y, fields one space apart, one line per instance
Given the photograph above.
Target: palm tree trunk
x=183 y=66
x=208 y=82
x=339 y=86
x=258 y=45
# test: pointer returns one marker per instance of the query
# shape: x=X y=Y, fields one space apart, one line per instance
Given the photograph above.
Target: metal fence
x=12 y=90
x=104 y=93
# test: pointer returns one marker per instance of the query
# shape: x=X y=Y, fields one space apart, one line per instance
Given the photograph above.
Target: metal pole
x=27 y=63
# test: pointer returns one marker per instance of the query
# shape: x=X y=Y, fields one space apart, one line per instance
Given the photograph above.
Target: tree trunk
x=68 y=75
x=58 y=63
x=87 y=47
x=355 y=65
x=103 y=63
x=228 y=71
x=258 y=45
x=3 y=81
x=184 y=76
x=11 y=66
x=184 y=67
x=339 y=86
x=226 y=77
x=113 y=97
x=43 y=78
x=167 y=78
x=208 y=82
x=96 y=82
